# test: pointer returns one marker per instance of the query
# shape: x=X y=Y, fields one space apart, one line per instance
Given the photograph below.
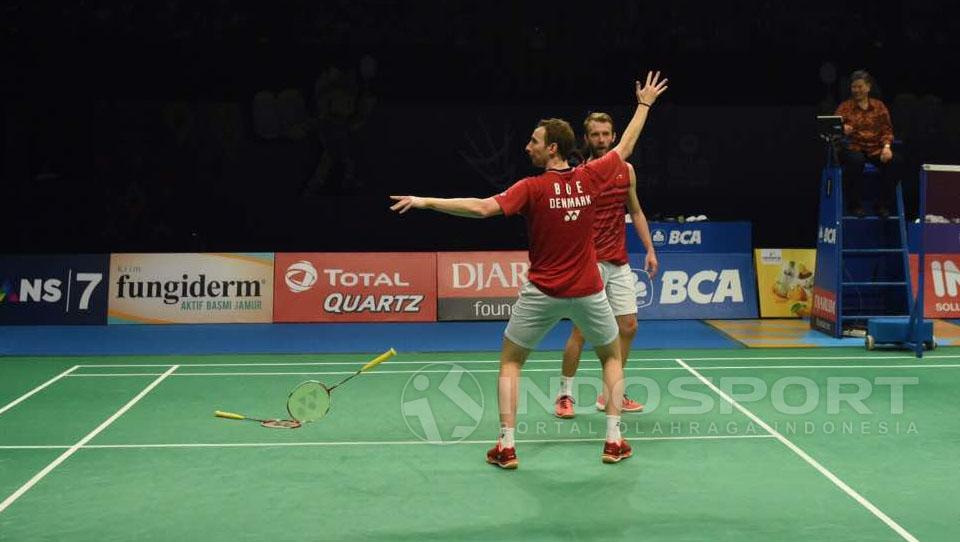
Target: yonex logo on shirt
x=572 y=215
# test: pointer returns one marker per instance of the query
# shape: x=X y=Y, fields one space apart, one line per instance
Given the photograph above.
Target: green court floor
x=804 y=444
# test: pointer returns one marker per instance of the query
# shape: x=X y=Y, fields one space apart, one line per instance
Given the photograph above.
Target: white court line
x=590 y=369
x=27 y=395
x=800 y=358
x=494 y=361
x=82 y=442
x=114 y=375
x=323 y=363
x=34 y=447
x=803 y=455
x=373 y=443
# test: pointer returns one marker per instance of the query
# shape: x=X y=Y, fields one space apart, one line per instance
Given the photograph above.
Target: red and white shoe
x=614 y=452
x=629 y=405
x=564 y=407
x=505 y=458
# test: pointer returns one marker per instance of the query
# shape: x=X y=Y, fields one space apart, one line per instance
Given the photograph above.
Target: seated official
x=869 y=136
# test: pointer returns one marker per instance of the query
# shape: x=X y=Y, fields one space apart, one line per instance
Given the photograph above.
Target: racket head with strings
x=309 y=402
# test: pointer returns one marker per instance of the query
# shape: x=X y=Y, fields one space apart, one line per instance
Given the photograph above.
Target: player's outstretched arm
x=466 y=207
x=650 y=264
x=647 y=94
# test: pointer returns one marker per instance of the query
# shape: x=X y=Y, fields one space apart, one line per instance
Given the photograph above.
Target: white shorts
x=535 y=313
x=621 y=286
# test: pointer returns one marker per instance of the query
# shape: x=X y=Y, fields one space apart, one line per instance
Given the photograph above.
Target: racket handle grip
x=230 y=415
x=378 y=360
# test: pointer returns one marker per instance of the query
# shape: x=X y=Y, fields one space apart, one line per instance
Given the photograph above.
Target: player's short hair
x=862 y=75
x=597 y=116
x=559 y=131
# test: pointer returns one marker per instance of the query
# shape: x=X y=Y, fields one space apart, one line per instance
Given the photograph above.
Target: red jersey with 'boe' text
x=560 y=207
x=609 y=230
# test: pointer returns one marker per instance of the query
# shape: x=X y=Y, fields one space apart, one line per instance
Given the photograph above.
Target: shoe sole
x=564 y=416
x=509 y=465
x=603 y=408
x=616 y=458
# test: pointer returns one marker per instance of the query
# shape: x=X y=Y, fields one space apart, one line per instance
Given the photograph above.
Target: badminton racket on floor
x=275 y=424
x=310 y=400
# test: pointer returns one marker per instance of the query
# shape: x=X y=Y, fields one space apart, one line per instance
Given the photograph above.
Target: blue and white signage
x=697 y=286
x=697 y=237
x=53 y=289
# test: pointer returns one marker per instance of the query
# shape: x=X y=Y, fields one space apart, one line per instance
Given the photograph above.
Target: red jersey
x=560 y=206
x=609 y=230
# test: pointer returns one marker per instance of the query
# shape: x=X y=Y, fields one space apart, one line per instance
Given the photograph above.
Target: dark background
x=230 y=125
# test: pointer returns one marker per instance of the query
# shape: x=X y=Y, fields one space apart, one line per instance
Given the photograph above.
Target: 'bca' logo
x=442 y=403
x=643 y=287
x=300 y=276
x=572 y=215
x=659 y=238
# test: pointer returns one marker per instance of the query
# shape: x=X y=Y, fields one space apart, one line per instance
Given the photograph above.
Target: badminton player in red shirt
x=563 y=280
x=610 y=242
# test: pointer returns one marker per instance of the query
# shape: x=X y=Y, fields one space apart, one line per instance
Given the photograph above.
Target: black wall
x=172 y=127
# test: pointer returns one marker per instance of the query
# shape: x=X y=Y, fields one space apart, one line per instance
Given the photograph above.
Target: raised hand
x=652 y=90
x=405 y=203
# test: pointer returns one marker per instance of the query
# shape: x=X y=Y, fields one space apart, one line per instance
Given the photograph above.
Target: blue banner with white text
x=695 y=237
x=697 y=286
x=53 y=289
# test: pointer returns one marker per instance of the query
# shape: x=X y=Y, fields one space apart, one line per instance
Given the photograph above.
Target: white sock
x=566 y=385
x=613 y=429
x=506 y=437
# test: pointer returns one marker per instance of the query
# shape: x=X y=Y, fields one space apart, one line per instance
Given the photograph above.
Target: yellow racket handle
x=378 y=360
x=230 y=415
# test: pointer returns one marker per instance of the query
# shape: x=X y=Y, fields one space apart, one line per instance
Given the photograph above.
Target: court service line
x=852 y=493
x=39 y=388
x=587 y=369
x=494 y=361
x=377 y=443
x=801 y=358
x=34 y=447
x=322 y=363
x=82 y=442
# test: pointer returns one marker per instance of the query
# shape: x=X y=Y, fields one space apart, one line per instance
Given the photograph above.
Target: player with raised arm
x=563 y=280
x=610 y=242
